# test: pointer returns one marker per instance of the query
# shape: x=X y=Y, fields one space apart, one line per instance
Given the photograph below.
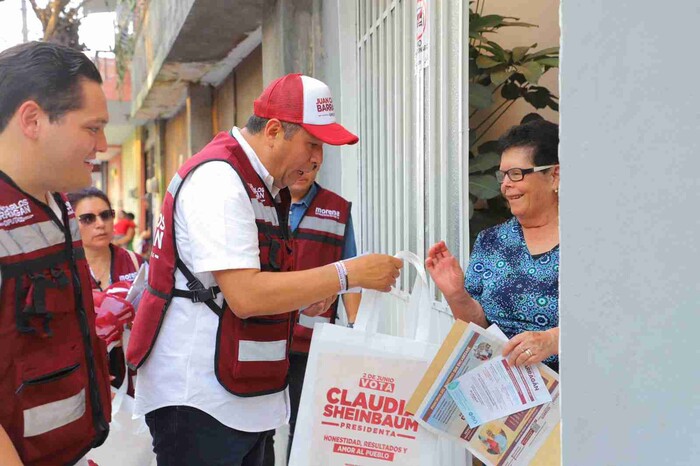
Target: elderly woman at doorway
x=108 y=263
x=513 y=274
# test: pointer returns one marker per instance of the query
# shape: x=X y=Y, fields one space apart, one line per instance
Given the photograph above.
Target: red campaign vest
x=122 y=267
x=319 y=240
x=54 y=385
x=252 y=355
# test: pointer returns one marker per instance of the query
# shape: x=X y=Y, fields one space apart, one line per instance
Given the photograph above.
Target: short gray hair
x=256 y=124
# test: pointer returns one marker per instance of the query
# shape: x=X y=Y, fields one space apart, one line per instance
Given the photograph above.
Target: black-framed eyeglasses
x=517 y=174
x=89 y=219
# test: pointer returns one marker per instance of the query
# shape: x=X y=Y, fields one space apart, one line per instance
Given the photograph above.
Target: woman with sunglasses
x=108 y=263
x=513 y=274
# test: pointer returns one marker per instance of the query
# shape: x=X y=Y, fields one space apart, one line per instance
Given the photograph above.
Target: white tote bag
x=358 y=381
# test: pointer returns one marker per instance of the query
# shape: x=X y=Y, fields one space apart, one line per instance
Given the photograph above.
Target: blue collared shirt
x=298 y=209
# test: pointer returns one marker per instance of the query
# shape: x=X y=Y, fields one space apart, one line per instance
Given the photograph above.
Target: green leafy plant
x=513 y=74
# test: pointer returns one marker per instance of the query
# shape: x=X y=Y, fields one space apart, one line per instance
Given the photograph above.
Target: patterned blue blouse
x=518 y=292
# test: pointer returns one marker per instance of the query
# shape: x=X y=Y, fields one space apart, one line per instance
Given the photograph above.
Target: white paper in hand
x=496 y=389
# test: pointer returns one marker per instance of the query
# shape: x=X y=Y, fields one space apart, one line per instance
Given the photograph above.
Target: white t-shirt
x=214 y=230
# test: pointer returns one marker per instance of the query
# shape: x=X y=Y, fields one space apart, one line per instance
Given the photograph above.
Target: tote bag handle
x=418 y=313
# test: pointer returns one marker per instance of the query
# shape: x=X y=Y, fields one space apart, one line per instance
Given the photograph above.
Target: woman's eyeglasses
x=89 y=219
x=517 y=174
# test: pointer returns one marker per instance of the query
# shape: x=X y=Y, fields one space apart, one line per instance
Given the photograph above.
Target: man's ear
x=273 y=129
x=555 y=177
x=30 y=117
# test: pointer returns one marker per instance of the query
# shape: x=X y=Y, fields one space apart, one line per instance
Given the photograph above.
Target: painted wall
x=629 y=228
x=176 y=149
x=114 y=181
x=132 y=166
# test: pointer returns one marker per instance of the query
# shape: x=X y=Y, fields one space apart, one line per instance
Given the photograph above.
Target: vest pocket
x=51 y=402
x=40 y=298
x=262 y=348
x=254 y=360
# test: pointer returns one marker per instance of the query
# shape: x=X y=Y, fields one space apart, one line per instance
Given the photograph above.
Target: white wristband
x=342 y=276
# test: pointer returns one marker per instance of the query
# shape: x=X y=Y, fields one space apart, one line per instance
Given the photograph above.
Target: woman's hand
x=445 y=270
x=316 y=309
x=532 y=347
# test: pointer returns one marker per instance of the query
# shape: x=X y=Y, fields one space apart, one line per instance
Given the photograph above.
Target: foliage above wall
x=125 y=40
x=60 y=22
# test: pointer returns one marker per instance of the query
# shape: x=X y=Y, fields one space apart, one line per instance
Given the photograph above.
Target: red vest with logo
x=319 y=240
x=122 y=268
x=54 y=384
x=252 y=355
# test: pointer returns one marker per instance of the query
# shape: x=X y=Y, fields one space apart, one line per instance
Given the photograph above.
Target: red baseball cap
x=306 y=101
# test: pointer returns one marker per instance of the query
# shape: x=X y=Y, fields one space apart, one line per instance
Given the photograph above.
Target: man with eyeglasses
x=54 y=382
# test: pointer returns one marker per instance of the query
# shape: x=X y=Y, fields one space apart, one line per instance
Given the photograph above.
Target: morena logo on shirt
x=327 y=213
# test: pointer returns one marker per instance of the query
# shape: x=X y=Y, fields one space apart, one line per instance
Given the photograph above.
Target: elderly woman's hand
x=532 y=347
x=445 y=270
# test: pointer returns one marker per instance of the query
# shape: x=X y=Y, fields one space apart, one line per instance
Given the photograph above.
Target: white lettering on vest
x=159 y=233
x=327 y=213
x=129 y=277
x=15 y=213
x=259 y=192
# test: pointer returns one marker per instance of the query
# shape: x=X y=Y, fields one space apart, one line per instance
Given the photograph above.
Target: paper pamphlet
x=528 y=437
x=496 y=389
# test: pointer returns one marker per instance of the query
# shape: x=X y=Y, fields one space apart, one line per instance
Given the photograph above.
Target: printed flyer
x=529 y=437
x=360 y=417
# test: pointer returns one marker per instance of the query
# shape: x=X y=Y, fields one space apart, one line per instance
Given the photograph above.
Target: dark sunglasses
x=89 y=219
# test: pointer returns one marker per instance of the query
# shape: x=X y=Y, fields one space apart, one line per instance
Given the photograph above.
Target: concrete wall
x=629 y=229
x=199 y=117
x=223 y=108
x=161 y=26
x=249 y=85
x=233 y=99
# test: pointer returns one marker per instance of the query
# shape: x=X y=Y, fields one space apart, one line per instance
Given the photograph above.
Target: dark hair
x=130 y=216
x=78 y=196
x=48 y=74
x=541 y=136
x=256 y=124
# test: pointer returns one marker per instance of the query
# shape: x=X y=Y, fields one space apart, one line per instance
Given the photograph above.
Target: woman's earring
x=556 y=190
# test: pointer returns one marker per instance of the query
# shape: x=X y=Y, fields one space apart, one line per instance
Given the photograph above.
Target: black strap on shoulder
x=196 y=291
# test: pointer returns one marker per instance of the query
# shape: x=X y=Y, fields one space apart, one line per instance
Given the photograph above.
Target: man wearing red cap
x=212 y=333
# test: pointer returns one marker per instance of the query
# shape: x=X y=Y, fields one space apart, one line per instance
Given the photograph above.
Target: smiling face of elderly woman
x=529 y=170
